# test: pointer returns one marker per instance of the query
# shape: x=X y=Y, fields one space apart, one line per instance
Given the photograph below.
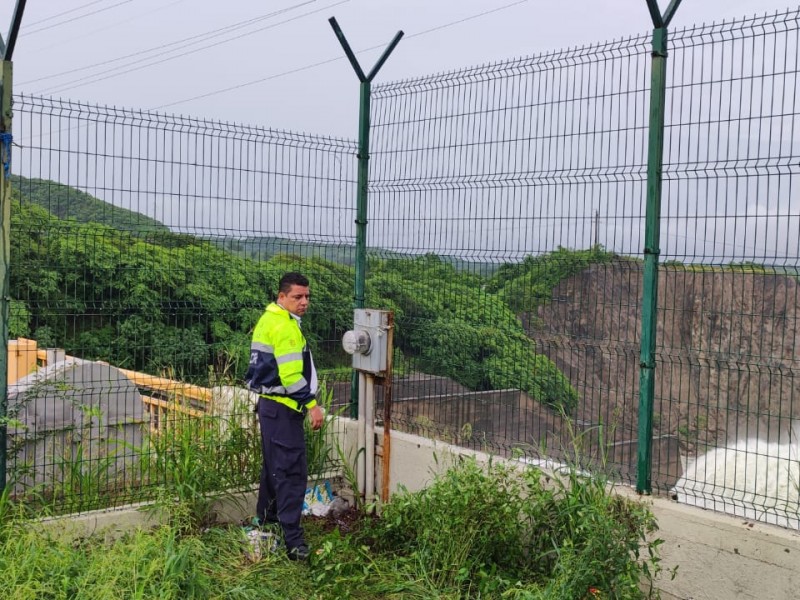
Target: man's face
x=295 y=300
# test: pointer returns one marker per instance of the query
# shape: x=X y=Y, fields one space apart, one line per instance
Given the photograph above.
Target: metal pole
x=361 y=215
x=6 y=78
x=652 y=242
x=361 y=443
x=361 y=197
x=369 y=438
x=13 y=31
x=655 y=155
x=363 y=176
x=6 y=87
x=387 y=413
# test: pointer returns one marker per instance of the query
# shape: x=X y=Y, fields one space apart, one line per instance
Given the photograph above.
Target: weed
x=515 y=534
x=349 y=467
x=476 y=532
x=320 y=444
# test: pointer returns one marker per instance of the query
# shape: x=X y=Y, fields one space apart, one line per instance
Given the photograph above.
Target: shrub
x=494 y=531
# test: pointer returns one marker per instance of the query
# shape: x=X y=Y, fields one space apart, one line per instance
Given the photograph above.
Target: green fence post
x=363 y=177
x=652 y=234
x=6 y=72
x=6 y=86
x=361 y=196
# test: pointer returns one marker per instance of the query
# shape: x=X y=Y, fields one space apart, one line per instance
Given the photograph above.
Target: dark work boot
x=300 y=552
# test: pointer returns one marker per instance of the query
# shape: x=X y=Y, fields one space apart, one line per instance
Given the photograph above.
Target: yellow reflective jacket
x=281 y=367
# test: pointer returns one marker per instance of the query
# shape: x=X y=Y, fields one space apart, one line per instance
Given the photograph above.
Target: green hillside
x=524 y=286
x=66 y=202
x=188 y=310
x=265 y=247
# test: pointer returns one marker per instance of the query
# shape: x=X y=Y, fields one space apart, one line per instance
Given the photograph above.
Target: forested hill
x=67 y=202
x=164 y=303
x=188 y=309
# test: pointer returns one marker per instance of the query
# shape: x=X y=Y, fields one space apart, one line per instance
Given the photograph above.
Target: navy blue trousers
x=284 y=472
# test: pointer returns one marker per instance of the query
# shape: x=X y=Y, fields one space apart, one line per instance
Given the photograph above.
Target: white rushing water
x=752 y=478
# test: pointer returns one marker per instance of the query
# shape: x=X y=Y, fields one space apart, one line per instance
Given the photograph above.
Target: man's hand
x=317 y=417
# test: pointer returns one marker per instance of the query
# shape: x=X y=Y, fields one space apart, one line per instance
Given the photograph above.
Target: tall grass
x=321 y=444
x=476 y=532
x=491 y=532
x=188 y=457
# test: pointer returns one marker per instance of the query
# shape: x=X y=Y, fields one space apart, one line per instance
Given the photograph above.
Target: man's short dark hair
x=290 y=279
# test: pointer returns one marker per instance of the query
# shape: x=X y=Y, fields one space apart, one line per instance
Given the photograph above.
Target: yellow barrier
x=24 y=357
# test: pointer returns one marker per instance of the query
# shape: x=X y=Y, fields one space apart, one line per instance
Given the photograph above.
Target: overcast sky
x=278 y=64
x=177 y=55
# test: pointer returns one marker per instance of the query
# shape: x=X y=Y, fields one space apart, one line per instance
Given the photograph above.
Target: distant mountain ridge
x=263 y=247
x=67 y=202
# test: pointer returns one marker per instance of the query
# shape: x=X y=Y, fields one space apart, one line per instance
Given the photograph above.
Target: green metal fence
x=506 y=226
x=144 y=248
x=521 y=189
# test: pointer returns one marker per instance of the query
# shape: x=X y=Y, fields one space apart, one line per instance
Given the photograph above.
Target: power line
x=40 y=48
x=330 y=60
x=89 y=14
x=124 y=70
x=465 y=19
x=262 y=80
x=202 y=36
x=66 y=12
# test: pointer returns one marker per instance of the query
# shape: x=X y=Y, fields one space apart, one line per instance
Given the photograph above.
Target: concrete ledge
x=230 y=507
x=719 y=556
x=114 y=522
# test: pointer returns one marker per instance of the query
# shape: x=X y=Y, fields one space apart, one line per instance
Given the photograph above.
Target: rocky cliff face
x=727 y=373
x=727 y=352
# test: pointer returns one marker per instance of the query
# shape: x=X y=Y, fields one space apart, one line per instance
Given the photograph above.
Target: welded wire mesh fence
x=506 y=226
x=520 y=189
x=522 y=177
x=144 y=248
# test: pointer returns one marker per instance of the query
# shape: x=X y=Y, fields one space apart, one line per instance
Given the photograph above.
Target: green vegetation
x=157 y=302
x=141 y=297
x=189 y=458
x=66 y=202
x=521 y=535
x=453 y=327
x=264 y=248
x=747 y=267
x=102 y=293
x=518 y=538
x=526 y=285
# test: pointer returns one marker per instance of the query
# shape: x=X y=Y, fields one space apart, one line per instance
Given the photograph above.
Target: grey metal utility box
x=369 y=355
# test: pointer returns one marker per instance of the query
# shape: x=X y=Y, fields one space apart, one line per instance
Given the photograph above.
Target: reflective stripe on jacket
x=281 y=367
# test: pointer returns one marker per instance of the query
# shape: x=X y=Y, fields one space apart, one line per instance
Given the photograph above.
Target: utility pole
x=6 y=139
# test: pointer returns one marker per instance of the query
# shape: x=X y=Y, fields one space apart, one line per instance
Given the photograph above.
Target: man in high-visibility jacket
x=282 y=372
